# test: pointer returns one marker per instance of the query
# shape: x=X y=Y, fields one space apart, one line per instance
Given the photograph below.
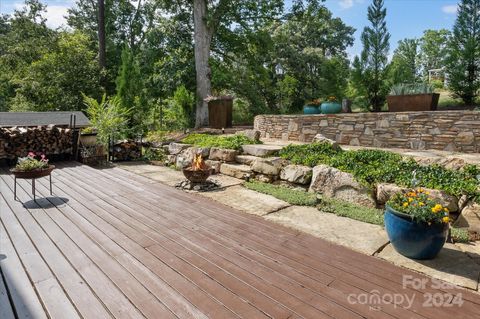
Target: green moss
x=460 y=235
x=291 y=196
x=346 y=209
x=233 y=142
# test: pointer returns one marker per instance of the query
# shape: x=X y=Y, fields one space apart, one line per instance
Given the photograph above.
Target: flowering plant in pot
x=312 y=106
x=331 y=105
x=416 y=224
x=32 y=166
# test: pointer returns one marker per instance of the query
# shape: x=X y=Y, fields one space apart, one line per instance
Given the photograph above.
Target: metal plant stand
x=33 y=185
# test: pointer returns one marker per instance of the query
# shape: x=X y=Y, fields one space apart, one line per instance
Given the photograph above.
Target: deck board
x=139 y=249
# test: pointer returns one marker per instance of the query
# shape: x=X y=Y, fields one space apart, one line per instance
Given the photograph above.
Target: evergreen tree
x=463 y=62
x=371 y=70
x=405 y=66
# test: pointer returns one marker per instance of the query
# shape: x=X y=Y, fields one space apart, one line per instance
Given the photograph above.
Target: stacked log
x=50 y=140
x=127 y=150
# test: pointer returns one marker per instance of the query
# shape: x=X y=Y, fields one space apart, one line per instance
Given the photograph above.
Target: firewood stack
x=18 y=141
x=127 y=150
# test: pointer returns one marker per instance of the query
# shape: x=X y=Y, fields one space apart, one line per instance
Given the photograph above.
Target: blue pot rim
x=406 y=217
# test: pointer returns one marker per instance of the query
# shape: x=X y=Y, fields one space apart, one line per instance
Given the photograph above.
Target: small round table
x=33 y=175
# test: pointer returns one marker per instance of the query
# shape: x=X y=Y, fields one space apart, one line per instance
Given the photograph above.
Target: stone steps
x=240 y=171
x=261 y=150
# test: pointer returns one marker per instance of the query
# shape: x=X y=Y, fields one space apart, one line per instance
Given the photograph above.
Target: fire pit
x=197 y=175
x=198 y=172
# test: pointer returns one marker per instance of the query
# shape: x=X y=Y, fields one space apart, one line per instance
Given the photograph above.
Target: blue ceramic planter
x=311 y=109
x=414 y=240
x=331 y=108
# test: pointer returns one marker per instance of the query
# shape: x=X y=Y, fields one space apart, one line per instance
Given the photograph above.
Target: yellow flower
x=446 y=210
x=427 y=193
x=405 y=204
x=446 y=219
x=421 y=204
x=410 y=199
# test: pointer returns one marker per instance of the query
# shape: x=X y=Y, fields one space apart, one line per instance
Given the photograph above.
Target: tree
x=57 y=80
x=405 y=66
x=102 y=51
x=370 y=70
x=433 y=49
x=463 y=61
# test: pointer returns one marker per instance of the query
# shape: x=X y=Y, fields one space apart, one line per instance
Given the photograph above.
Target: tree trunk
x=203 y=38
x=101 y=35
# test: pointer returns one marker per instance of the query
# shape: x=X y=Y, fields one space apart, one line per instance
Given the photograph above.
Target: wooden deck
x=111 y=244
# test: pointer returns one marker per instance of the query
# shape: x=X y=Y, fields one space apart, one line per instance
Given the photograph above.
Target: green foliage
x=291 y=196
x=154 y=154
x=57 y=80
x=463 y=61
x=375 y=166
x=437 y=84
x=233 y=142
x=309 y=154
x=349 y=210
x=405 y=66
x=370 y=72
x=108 y=116
x=179 y=111
x=413 y=88
x=460 y=235
x=433 y=49
x=156 y=136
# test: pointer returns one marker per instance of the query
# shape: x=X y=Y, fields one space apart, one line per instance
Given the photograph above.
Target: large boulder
x=176 y=148
x=385 y=191
x=251 y=134
x=268 y=166
x=185 y=158
x=319 y=138
x=334 y=183
x=297 y=174
x=214 y=165
x=245 y=159
x=224 y=155
x=470 y=217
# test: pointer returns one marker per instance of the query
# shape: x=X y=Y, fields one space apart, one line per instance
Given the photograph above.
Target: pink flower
x=31 y=154
x=42 y=156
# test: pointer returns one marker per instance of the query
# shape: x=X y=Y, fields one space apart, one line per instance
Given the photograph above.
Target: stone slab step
x=236 y=170
x=245 y=159
x=261 y=149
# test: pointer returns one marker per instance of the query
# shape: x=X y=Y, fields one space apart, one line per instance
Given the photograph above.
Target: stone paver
x=261 y=149
x=247 y=200
x=226 y=181
x=165 y=175
x=451 y=265
x=471 y=249
x=359 y=236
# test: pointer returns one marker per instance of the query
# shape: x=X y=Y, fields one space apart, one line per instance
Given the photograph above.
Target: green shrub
x=346 y=209
x=291 y=196
x=459 y=235
x=371 y=167
x=233 y=142
x=156 y=136
x=154 y=154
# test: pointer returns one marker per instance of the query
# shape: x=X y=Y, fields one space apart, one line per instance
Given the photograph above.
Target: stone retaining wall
x=440 y=130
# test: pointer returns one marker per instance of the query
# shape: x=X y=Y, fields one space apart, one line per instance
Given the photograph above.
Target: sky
x=405 y=18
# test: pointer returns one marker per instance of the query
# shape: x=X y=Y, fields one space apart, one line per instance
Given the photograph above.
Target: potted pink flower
x=34 y=165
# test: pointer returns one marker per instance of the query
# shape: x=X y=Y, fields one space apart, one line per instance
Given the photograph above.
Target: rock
x=470 y=217
x=176 y=148
x=268 y=166
x=251 y=134
x=264 y=178
x=236 y=170
x=215 y=165
x=319 y=138
x=245 y=159
x=332 y=182
x=385 y=191
x=296 y=174
x=261 y=150
x=171 y=160
x=185 y=158
x=224 y=155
